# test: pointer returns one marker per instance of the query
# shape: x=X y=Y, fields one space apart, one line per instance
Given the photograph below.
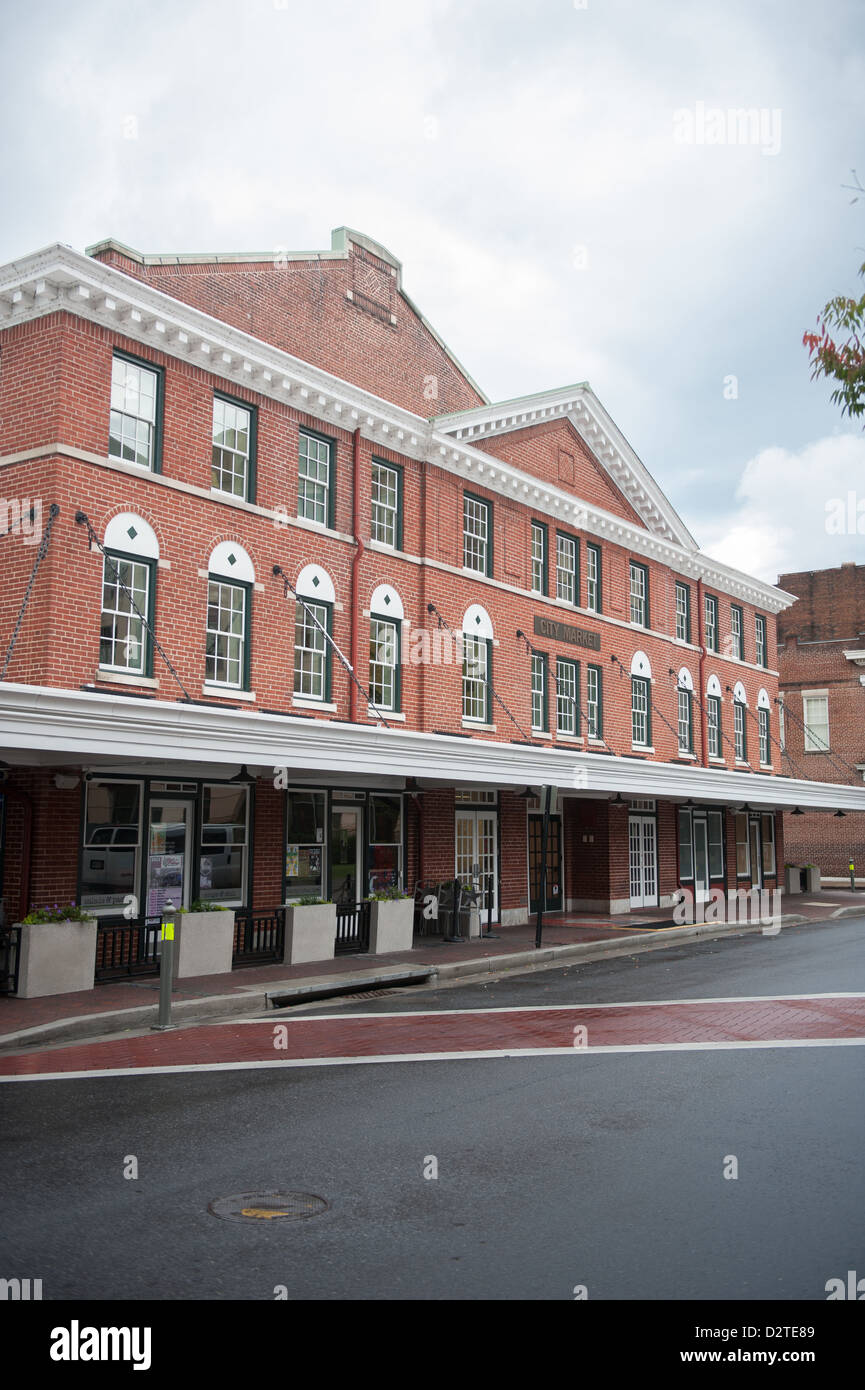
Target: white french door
x=476 y=852
x=643 y=860
x=701 y=860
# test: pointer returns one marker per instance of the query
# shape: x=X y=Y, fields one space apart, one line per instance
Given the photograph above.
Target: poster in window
x=292 y=855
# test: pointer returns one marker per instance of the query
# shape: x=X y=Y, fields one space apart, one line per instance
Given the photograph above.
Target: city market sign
x=564 y=632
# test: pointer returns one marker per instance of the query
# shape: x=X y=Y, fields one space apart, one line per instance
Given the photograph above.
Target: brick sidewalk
x=685 y=1023
x=559 y=930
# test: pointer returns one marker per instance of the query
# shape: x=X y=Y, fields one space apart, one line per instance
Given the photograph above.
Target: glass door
x=756 y=858
x=169 y=854
x=701 y=861
x=642 y=861
x=476 y=854
x=345 y=854
x=553 y=896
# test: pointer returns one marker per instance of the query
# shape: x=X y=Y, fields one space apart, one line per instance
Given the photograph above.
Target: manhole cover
x=268 y=1206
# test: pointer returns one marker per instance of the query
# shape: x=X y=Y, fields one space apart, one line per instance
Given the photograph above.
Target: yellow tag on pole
x=852 y=868
x=167 y=931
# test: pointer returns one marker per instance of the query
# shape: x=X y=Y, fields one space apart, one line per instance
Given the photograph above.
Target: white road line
x=277 y=1014
x=438 y=1057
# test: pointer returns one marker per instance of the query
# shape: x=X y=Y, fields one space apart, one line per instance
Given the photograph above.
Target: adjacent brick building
x=821 y=658
x=254 y=476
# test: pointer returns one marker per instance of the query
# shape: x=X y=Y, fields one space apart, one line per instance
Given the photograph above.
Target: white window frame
x=593 y=577
x=815 y=742
x=110 y=561
x=132 y=406
x=640 y=711
x=235 y=644
x=683 y=612
x=566 y=574
x=639 y=593
x=476 y=678
x=311 y=653
x=384 y=663
x=315 y=478
x=567 y=695
x=237 y=458
x=384 y=513
x=477 y=525
x=539 y=556
x=539 y=693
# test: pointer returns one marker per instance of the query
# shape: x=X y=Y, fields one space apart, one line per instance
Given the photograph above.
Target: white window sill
x=125 y=678
x=641 y=748
x=568 y=738
x=597 y=742
x=718 y=762
x=476 y=724
x=741 y=762
x=767 y=767
x=227 y=692
x=388 y=714
x=302 y=703
x=688 y=757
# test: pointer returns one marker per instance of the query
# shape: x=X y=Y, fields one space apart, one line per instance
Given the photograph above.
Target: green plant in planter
x=201 y=906
x=309 y=902
x=57 y=912
x=387 y=895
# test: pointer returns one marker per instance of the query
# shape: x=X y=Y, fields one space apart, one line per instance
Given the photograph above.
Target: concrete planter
x=792 y=878
x=310 y=932
x=812 y=878
x=204 y=943
x=56 y=958
x=391 y=925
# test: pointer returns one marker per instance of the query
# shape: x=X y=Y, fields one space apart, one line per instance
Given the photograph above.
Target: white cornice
x=75 y=725
x=61 y=279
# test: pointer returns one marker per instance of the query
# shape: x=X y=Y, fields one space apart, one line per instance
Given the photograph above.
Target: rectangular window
x=640 y=721
x=593 y=577
x=683 y=612
x=136 y=393
x=124 y=642
x=314 y=488
x=305 y=845
x=112 y=843
x=567 y=696
x=716 y=844
x=743 y=856
x=477 y=527
x=713 y=722
x=233 y=455
x=767 y=830
x=760 y=638
x=594 y=702
x=224 y=837
x=539 y=558
x=782 y=734
x=739 y=730
x=225 y=661
x=384 y=664
x=539 y=692
x=476 y=688
x=385 y=843
x=763 y=718
x=639 y=594
x=686 y=846
x=815 y=717
x=736 y=633
x=386 y=511
x=311 y=650
x=711 y=623
x=566 y=568
x=686 y=736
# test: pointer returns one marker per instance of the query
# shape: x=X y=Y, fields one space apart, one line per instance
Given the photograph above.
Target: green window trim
x=305 y=430
x=487 y=717
x=542 y=529
x=685 y=590
x=563 y=664
x=542 y=661
x=574 y=541
x=488 y=558
x=740 y=651
x=599 y=733
x=636 y=683
x=150 y=613
x=689 y=707
x=397 y=469
x=159 y=373
x=711 y=606
x=713 y=703
x=252 y=462
x=328 y=650
x=595 y=550
x=396 y=624
x=761 y=626
x=246 y=589
x=632 y=566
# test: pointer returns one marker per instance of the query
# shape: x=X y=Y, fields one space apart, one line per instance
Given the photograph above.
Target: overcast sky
x=554 y=176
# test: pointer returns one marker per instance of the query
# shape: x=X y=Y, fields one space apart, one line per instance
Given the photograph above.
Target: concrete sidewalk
x=131 y=1005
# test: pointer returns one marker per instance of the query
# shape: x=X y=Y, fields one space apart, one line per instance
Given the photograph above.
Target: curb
x=218 y=1006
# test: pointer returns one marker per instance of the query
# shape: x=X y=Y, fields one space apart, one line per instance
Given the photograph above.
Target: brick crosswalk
x=796 y=1020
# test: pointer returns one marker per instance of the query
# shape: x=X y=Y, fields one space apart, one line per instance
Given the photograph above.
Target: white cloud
x=787 y=507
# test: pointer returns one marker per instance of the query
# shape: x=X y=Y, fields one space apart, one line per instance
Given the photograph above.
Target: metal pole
x=852 y=877
x=166 y=965
x=542 y=892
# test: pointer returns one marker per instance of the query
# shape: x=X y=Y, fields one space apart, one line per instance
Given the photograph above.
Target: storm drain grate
x=268 y=1206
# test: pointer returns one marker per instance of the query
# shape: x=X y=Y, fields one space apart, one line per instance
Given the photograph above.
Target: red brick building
x=821 y=657
x=270 y=469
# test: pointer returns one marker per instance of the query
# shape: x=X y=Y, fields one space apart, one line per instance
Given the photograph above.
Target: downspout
x=26 y=804
x=355 y=571
x=704 y=732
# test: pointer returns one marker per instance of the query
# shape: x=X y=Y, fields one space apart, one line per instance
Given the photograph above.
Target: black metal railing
x=352 y=928
x=127 y=948
x=10 y=954
x=259 y=938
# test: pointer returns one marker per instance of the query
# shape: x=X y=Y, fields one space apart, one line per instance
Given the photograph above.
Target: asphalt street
x=603 y=1171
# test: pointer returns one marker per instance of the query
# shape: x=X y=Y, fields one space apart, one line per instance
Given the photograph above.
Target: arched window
x=763 y=716
x=477 y=635
x=385 y=633
x=740 y=739
x=641 y=700
x=128 y=595
x=231 y=576
x=713 y=716
x=685 y=697
x=313 y=625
